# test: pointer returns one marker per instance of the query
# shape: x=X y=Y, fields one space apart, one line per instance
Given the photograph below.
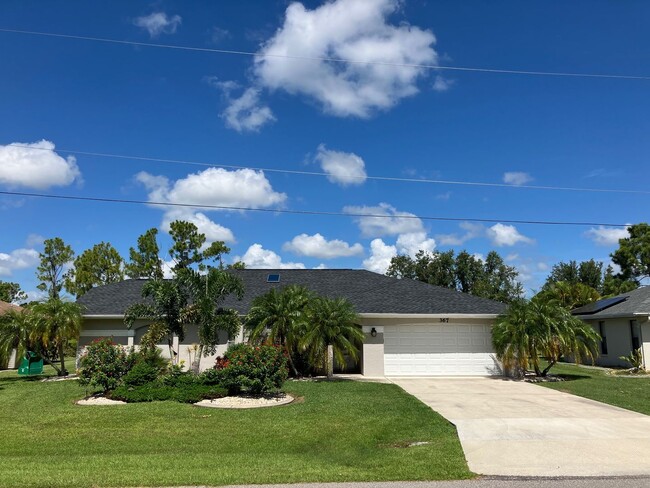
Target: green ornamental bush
x=158 y=391
x=141 y=374
x=103 y=365
x=256 y=370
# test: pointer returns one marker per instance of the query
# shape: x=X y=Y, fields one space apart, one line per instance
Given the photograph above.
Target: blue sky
x=347 y=120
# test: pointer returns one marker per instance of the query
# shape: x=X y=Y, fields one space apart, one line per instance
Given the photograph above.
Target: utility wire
x=301 y=212
x=329 y=59
x=319 y=173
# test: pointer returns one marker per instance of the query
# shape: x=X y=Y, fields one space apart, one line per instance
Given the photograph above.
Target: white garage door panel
x=438 y=350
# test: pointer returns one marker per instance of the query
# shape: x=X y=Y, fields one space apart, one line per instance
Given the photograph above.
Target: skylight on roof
x=273 y=278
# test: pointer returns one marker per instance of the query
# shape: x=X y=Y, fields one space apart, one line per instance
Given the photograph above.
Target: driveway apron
x=510 y=428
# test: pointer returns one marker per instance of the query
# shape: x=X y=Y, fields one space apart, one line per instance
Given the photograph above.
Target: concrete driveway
x=510 y=428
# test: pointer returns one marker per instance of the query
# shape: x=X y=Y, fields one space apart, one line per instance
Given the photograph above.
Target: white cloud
x=258 y=257
x=472 y=231
x=158 y=23
x=18 y=259
x=607 y=236
x=356 y=31
x=317 y=246
x=442 y=84
x=212 y=230
x=342 y=168
x=36 y=165
x=394 y=222
x=506 y=235
x=242 y=188
x=516 y=178
x=246 y=113
x=214 y=186
x=321 y=266
x=410 y=244
x=443 y=196
x=380 y=256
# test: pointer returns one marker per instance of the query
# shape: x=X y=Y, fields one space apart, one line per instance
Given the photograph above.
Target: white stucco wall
x=619 y=339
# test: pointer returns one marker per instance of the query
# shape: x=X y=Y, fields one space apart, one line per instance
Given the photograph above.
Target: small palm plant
x=281 y=317
x=332 y=333
x=635 y=360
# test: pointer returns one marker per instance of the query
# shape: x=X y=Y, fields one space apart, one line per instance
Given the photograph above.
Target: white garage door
x=438 y=350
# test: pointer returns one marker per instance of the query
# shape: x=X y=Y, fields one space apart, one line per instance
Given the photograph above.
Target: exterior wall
x=94 y=328
x=619 y=340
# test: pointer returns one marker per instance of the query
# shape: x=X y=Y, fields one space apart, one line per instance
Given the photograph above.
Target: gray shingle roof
x=369 y=292
x=635 y=302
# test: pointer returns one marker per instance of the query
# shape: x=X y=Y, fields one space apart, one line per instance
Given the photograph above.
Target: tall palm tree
x=208 y=291
x=280 y=317
x=56 y=323
x=333 y=332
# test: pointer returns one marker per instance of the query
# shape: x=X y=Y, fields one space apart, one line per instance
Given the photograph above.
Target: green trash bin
x=31 y=363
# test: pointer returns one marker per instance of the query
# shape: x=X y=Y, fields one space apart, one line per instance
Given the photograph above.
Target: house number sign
x=444 y=320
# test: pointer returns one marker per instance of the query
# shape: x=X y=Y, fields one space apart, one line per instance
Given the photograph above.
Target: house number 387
x=444 y=320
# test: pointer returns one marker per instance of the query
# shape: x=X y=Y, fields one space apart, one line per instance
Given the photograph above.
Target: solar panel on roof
x=273 y=278
x=599 y=305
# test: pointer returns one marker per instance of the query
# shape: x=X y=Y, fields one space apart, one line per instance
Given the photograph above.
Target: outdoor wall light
x=373 y=332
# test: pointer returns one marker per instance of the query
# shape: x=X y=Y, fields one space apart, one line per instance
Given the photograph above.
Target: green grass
x=630 y=393
x=339 y=431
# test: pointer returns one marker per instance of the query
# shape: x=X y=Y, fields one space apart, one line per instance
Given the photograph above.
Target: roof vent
x=273 y=278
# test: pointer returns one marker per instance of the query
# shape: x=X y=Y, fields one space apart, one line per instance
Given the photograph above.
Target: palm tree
x=56 y=323
x=332 y=332
x=538 y=328
x=16 y=332
x=280 y=317
x=208 y=291
x=510 y=337
x=164 y=308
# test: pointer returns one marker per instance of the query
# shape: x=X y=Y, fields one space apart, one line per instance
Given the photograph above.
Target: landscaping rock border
x=246 y=402
x=99 y=400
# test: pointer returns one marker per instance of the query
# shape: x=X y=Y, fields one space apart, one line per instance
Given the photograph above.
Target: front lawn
x=339 y=431
x=625 y=392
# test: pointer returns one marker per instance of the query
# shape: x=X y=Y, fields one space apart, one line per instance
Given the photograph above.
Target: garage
x=439 y=350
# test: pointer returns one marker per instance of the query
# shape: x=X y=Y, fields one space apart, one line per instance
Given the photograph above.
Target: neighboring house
x=623 y=323
x=4 y=308
x=410 y=328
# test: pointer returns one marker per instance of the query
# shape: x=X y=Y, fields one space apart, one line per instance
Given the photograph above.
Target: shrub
x=103 y=365
x=253 y=369
x=141 y=373
x=152 y=357
x=159 y=391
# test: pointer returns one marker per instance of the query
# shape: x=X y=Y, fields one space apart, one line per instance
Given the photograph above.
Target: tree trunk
x=46 y=360
x=548 y=368
x=291 y=364
x=196 y=363
x=330 y=362
x=63 y=371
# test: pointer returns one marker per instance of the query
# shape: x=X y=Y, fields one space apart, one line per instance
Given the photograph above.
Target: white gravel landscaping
x=99 y=400
x=246 y=402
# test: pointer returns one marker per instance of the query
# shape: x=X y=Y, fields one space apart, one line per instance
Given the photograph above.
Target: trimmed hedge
x=158 y=391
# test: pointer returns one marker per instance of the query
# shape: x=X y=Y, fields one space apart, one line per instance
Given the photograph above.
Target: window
x=273 y=278
x=635 y=332
x=603 y=338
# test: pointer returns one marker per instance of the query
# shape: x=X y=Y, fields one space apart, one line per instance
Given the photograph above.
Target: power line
x=330 y=59
x=302 y=212
x=319 y=173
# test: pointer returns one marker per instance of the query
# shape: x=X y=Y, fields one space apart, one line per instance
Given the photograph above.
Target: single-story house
x=11 y=361
x=623 y=323
x=410 y=328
